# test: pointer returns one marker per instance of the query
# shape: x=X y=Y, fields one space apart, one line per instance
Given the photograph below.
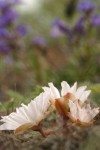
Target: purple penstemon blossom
x=77 y=31
x=7 y=12
x=62 y=27
x=9 y=30
x=22 y=30
x=72 y=33
x=4 y=4
x=8 y=60
x=4 y=48
x=86 y=6
x=4 y=33
x=55 y=32
x=9 y=16
x=40 y=41
x=2 y=21
x=79 y=27
x=95 y=20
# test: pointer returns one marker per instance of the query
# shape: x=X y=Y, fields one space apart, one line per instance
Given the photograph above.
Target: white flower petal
x=85 y=95
x=9 y=120
x=45 y=101
x=94 y=112
x=20 y=113
x=36 y=111
x=82 y=113
x=46 y=89
x=7 y=127
x=54 y=91
x=30 y=114
x=65 y=88
x=73 y=88
x=17 y=118
x=39 y=103
x=87 y=106
x=80 y=91
x=73 y=109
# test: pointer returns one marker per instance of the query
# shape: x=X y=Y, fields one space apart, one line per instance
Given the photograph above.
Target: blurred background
x=45 y=41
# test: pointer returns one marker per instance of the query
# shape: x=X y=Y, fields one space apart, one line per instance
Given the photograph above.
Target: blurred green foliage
x=15 y=99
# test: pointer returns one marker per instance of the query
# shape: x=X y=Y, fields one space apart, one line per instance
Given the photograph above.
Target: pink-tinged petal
x=82 y=114
x=73 y=109
x=86 y=114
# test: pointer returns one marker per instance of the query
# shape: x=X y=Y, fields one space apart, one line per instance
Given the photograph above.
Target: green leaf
x=15 y=95
x=10 y=104
x=37 y=91
x=95 y=87
x=2 y=107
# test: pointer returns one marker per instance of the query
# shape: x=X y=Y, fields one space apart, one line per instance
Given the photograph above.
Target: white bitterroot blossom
x=71 y=102
x=76 y=93
x=82 y=115
x=27 y=116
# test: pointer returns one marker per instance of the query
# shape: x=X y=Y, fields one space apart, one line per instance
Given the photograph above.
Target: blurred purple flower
x=4 y=4
x=55 y=32
x=4 y=33
x=86 y=6
x=4 y=48
x=40 y=41
x=2 y=21
x=8 y=30
x=79 y=27
x=95 y=20
x=16 y=1
x=61 y=25
x=9 y=16
x=22 y=30
x=8 y=60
